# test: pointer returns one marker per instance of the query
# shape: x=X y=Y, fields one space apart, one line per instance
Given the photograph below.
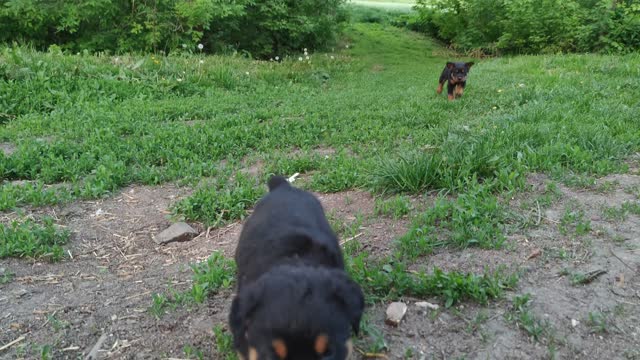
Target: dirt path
x=390 y=5
x=106 y=287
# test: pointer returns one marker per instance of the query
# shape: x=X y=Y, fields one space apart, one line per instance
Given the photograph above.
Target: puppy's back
x=288 y=225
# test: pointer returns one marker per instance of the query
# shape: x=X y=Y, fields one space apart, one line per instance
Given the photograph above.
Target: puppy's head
x=296 y=312
x=458 y=71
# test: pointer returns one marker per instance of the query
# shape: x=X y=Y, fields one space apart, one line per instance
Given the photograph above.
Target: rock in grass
x=177 y=232
x=395 y=313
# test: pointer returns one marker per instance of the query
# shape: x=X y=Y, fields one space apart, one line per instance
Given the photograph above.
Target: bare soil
x=106 y=285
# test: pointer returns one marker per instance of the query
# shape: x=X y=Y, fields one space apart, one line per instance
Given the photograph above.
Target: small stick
x=539 y=213
x=351 y=238
x=4 y=347
x=371 y=355
x=622 y=261
x=93 y=354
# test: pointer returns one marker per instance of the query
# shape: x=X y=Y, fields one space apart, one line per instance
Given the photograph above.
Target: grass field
x=473 y=204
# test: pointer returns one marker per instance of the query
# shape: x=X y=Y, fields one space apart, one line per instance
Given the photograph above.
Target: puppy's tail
x=276 y=181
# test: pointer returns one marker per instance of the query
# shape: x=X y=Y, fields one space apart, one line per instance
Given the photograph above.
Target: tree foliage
x=263 y=28
x=533 y=26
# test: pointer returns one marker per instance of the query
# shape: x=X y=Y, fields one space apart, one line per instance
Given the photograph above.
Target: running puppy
x=455 y=75
x=294 y=300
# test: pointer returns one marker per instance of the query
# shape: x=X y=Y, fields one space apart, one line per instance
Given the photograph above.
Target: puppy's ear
x=469 y=64
x=244 y=304
x=450 y=65
x=351 y=299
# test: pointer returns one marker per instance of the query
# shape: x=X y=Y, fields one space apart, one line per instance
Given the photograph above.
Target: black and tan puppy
x=294 y=299
x=455 y=75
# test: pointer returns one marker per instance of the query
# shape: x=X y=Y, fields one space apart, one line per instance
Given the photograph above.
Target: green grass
x=209 y=277
x=622 y=212
x=598 y=322
x=224 y=343
x=391 y=279
x=573 y=221
x=395 y=207
x=6 y=277
x=93 y=124
x=474 y=218
x=525 y=319
x=29 y=238
x=216 y=203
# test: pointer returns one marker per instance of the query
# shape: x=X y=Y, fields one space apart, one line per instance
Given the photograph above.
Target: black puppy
x=455 y=75
x=294 y=299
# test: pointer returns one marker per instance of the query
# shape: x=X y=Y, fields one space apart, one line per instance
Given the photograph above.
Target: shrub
x=263 y=28
x=532 y=26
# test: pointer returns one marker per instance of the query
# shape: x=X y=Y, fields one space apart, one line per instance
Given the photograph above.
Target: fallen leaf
x=534 y=254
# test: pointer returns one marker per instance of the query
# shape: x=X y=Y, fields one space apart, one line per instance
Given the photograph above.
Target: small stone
x=427 y=305
x=574 y=322
x=177 y=232
x=395 y=313
x=20 y=293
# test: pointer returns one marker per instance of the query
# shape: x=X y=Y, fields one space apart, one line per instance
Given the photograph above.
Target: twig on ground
x=93 y=354
x=622 y=261
x=351 y=238
x=5 y=347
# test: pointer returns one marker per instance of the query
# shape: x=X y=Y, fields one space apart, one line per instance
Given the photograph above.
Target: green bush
x=262 y=28
x=532 y=26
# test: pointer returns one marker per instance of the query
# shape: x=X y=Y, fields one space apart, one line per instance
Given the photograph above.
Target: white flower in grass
x=346 y=46
x=179 y=80
x=277 y=58
x=300 y=58
x=332 y=57
x=184 y=46
x=201 y=62
x=247 y=73
x=200 y=46
x=307 y=57
x=305 y=49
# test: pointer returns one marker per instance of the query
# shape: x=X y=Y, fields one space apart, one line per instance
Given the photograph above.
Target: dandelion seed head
x=277 y=58
x=332 y=57
x=307 y=57
x=179 y=80
x=201 y=61
x=200 y=46
x=300 y=58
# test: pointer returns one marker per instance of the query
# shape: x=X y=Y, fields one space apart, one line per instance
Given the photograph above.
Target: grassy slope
x=96 y=124
x=99 y=123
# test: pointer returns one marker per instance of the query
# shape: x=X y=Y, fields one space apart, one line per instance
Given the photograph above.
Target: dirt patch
x=354 y=213
x=107 y=285
x=8 y=148
x=377 y=68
